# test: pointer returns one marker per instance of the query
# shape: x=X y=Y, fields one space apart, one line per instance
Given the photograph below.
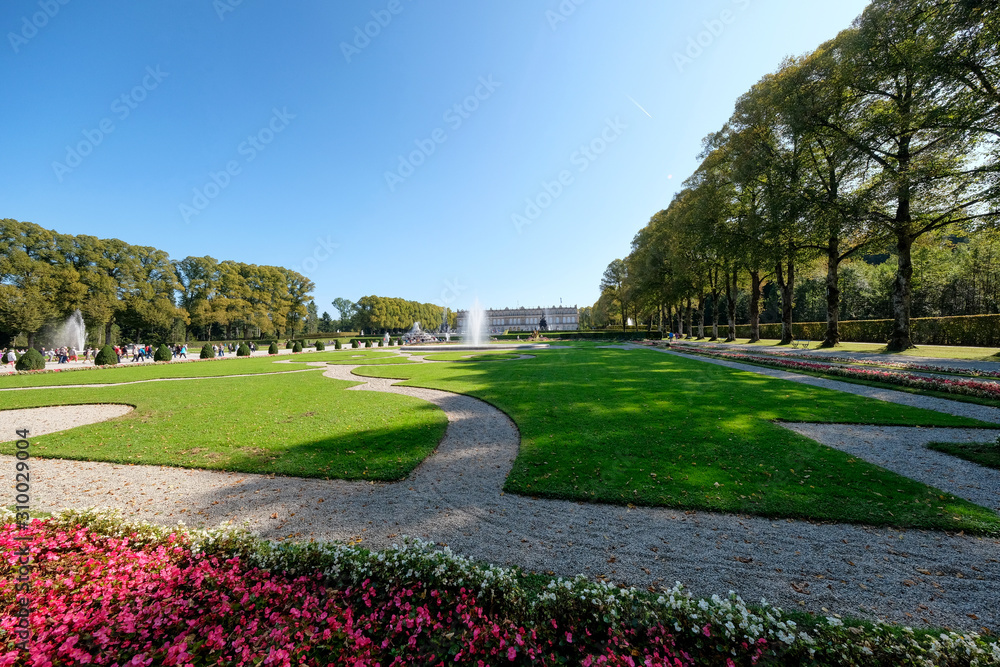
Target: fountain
x=72 y=333
x=476 y=326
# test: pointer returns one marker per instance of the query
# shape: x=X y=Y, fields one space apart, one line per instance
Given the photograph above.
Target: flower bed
x=110 y=592
x=896 y=365
x=970 y=387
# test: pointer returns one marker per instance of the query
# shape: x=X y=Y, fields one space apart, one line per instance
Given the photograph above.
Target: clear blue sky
x=308 y=130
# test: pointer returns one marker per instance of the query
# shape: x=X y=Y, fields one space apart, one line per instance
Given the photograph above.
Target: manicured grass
x=647 y=428
x=985 y=454
x=150 y=371
x=468 y=355
x=360 y=356
x=938 y=351
x=300 y=424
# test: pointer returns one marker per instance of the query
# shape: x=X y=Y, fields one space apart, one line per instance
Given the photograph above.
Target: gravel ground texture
x=41 y=421
x=455 y=498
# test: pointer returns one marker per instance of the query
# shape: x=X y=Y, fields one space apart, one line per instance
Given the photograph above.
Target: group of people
x=137 y=352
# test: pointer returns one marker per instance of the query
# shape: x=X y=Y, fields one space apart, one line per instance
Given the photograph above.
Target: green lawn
x=351 y=356
x=938 y=351
x=985 y=454
x=468 y=355
x=647 y=428
x=299 y=424
x=149 y=371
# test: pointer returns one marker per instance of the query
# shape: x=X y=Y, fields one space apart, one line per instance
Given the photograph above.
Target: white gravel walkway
x=455 y=497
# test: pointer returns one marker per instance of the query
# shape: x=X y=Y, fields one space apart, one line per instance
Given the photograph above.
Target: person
x=184 y=351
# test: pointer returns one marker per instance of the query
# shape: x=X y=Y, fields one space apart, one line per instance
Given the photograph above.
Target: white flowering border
x=580 y=599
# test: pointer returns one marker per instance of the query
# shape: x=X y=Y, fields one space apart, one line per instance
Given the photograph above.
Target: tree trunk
x=755 y=283
x=901 y=295
x=107 y=333
x=786 y=286
x=690 y=318
x=700 y=313
x=832 y=337
x=680 y=320
x=731 y=305
x=624 y=318
x=715 y=315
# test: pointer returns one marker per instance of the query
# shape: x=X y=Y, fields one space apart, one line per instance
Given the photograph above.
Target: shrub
x=272 y=348
x=106 y=357
x=320 y=346
x=355 y=344
x=288 y=344
x=297 y=347
x=337 y=345
x=163 y=353
x=243 y=350
x=368 y=344
x=32 y=360
x=207 y=352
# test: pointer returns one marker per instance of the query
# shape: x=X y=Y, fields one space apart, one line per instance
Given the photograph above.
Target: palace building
x=556 y=318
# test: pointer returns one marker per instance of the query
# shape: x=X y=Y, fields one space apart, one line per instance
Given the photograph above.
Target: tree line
x=381 y=314
x=881 y=142
x=45 y=276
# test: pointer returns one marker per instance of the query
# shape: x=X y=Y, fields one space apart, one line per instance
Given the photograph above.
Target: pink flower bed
x=978 y=388
x=108 y=601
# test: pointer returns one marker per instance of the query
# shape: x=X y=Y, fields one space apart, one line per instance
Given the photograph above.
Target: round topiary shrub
x=272 y=348
x=32 y=360
x=288 y=344
x=243 y=350
x=297 y=347
x=320 y=346
x=106 y=357
x=337 y=345
x=368 y=344
x=163 y=353
x=207 y=352
x=355 y=344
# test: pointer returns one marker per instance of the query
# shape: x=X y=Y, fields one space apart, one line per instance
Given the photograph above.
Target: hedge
x=974 y=330
x=585 y=335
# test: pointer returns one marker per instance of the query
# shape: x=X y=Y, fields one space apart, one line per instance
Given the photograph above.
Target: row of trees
x=379 y=313
x=882 y=137
x=45 y=276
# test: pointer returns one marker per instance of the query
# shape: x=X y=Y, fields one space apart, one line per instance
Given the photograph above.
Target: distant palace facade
x=557 y=318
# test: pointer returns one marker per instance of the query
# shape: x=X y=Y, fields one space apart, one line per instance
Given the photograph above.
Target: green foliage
x=288 y=344
x=272 y=348
x=297 y=347
x=163 y=353
x=376 y=313
x=243 y=350
x=32 y=360
x=106 y=357
x=368 y=343
x=337 y=345
x=320 y=346
x=355 y=344
x=207 y=352
x=975 y=330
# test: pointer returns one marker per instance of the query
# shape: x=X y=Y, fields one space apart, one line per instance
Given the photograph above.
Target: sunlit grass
x=652 y=429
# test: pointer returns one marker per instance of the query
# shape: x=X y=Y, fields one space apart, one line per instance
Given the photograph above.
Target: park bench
x=803 y=343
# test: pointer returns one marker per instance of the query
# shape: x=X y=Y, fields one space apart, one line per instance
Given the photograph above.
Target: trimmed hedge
x=207 y=352
x=163 y=353
x=106 y=357
x=368 y=343
x=288 y=344
x=973 y=330
x=32 y=360
x=320 y=346
x=243 y=350
x=272 y=348
x=297 y=347
x=337 y=345
x=585 y=335
x=355 y=345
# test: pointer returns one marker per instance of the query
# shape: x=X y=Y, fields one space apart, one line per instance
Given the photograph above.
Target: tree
x=614 y=282
x=347 y=310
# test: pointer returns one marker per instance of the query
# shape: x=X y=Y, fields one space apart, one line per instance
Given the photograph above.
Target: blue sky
x=457 y=150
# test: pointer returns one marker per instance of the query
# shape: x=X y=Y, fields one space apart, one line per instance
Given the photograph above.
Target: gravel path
x=40 y=421
x=455 y=497
x=903 y=449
